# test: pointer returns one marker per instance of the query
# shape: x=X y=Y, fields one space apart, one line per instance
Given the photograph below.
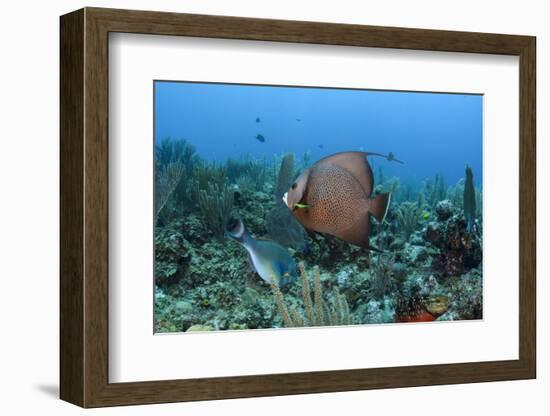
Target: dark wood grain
x=96 y=219
x=527 y=208
x=162 y=23
x=71 y=100
x=84 y=207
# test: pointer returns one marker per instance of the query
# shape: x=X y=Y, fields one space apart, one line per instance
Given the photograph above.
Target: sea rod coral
x=316 y=312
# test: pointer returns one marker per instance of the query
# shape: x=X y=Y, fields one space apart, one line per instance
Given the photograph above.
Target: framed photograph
x=255 y=207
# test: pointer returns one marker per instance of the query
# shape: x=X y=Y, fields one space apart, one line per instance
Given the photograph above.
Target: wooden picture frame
x=84 y=207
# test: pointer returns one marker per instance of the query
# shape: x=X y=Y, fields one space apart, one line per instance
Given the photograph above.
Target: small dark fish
x=298 y=120
x=258 y=119
x=267 y=258
x=260 y=138
x=421 y=309
x=320 y=146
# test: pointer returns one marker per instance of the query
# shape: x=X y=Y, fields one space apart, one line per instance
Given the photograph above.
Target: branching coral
x=317 y=312
x=438 y=191
x=392 y=185
x=382 y=276
x=408 y=216
x=169 y=150
x=171 y=155
x=254 y=171
x=456 y=194
x=245 y=183
x=167 y=181
x=285 y=316
x=407 y=192
x=420 y=201
x=207 y=174
x=215 y=204
x=306 y=160
x=434 y=191
x=212 y=196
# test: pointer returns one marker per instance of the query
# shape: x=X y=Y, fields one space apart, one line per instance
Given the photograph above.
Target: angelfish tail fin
x=379 y=205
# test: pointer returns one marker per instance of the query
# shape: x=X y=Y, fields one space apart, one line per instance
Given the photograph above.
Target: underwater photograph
x=294 y=206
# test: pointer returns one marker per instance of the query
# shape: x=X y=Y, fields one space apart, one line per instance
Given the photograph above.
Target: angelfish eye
x=294 y=185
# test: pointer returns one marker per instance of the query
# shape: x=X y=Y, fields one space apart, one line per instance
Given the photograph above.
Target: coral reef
x=248 y=174
x=173 y=254
x=168 y=179
x=435 y=191
x=408 y=216
x=204 y=175
x=316 y=312
x=444 y=210
x=381 y=274
x=174 y=164
x=423 y=249
x=455 y=194
x=459 y=250
x=215 y=204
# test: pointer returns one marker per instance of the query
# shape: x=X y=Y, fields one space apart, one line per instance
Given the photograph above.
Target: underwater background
x=231 y=254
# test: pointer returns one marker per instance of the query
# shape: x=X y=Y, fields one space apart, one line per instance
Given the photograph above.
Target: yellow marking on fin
x=301 y=205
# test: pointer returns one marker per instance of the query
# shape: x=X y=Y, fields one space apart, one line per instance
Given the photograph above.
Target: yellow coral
x=317 y=313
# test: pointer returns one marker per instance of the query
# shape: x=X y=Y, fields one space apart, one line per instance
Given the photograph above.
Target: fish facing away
x=421 y=309
x=266 y=257
x=334 y=197
x=258 y=119
x=260 y=138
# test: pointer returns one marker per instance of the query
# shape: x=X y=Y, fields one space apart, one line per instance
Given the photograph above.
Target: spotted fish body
x=337 y=204
x=267 y=258
x=333 y=197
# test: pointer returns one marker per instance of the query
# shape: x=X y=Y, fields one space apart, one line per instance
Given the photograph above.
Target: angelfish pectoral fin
x=379 y=205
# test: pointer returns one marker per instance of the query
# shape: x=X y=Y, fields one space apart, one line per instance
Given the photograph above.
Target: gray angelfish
x=334 y=196
x=266 y=257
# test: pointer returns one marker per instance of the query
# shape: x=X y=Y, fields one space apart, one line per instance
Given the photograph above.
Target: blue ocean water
x=432 y=133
